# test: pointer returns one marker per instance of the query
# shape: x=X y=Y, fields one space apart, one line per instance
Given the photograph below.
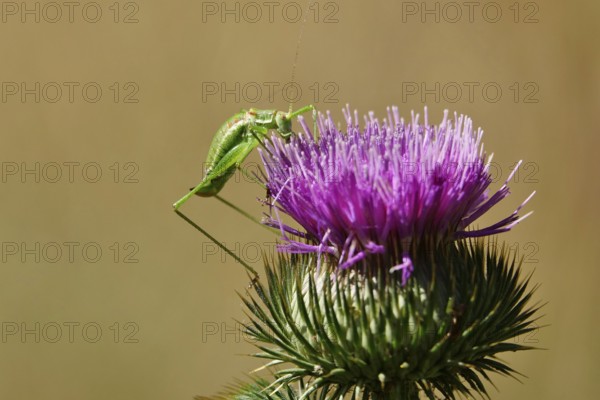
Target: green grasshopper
x=234 y=141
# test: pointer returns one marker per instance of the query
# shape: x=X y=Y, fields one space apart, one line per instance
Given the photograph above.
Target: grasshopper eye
x=284 y=124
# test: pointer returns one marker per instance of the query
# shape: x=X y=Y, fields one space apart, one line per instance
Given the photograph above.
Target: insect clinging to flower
x=234 y=141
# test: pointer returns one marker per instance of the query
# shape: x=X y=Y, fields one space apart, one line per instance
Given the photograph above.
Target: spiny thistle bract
x=333 y=318
x=363 y=329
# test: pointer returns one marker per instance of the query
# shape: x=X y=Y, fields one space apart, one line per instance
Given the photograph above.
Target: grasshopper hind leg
x=220 y=173
x=195 y=190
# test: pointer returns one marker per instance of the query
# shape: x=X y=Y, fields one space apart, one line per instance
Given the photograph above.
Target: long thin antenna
x=308 y=4
x=215 y=241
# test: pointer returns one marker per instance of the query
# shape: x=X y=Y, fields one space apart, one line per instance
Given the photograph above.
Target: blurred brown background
x=107 y=118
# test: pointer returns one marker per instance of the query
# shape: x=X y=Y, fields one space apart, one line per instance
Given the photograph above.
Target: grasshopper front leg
x=298 y=112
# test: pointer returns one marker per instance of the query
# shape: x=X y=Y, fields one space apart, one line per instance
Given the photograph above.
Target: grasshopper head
x=284 y=123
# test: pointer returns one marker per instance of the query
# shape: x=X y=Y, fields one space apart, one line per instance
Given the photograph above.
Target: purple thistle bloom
x=370 y=192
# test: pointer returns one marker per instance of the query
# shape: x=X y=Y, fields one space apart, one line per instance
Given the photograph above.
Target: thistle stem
x=397 y=391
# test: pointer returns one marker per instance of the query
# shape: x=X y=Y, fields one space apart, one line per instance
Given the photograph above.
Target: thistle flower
x=384 y=198
x=377 y=190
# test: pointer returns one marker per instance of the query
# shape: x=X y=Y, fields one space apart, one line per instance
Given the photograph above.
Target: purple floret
x=365 y=192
